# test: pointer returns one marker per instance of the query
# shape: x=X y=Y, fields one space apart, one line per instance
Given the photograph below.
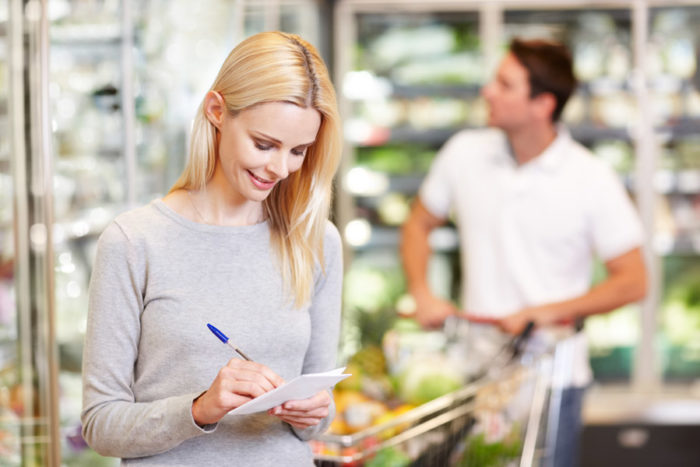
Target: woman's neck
x=225 y=207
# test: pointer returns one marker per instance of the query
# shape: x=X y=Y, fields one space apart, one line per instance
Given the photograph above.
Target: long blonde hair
x=279 y=67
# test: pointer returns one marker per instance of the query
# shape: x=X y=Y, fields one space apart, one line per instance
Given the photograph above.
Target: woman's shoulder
x=332 y=234
x=332 y=243
x=134 y=223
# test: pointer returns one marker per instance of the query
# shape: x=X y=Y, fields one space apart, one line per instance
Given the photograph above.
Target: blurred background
x=96 y=99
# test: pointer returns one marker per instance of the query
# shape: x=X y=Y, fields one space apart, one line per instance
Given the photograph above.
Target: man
x=533 y=208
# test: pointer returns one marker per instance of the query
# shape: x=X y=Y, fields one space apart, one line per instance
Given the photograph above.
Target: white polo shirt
x=529 y=233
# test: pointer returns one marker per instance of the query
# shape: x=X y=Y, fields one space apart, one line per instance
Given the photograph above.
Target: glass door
x=408 y=80
x=674 y=80
x=10 y=388
x=90 y=179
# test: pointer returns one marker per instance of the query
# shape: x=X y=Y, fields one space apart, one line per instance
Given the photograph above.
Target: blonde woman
x=242 y=241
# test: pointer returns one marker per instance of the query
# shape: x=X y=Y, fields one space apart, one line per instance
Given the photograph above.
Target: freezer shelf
x=500 y=415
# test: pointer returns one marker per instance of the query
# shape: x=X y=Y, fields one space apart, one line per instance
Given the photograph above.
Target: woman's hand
x=235 y=384
x=304 y=413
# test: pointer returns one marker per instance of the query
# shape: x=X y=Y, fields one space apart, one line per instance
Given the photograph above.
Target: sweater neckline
x=192 y=225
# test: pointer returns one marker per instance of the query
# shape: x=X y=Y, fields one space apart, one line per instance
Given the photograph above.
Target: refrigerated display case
x=408 y=80
x=9 y=378
x=636 y=107
x=674 y=44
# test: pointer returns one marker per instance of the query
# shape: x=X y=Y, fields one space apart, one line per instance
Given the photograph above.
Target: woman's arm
x=114 y=424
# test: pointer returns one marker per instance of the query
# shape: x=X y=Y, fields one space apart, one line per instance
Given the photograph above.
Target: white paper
x=301 y=387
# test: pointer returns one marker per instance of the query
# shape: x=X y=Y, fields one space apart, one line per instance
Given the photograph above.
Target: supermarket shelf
x=407 y=134
x=86 y=34
x=682 y=245
x=442 y=239
x=404 y=184
x=113 y=152
x=588 y=133
x=681 y=128
x=602 y=85
x=407 y=184
x=677 y=182
x=444 y=90
x=617 y=405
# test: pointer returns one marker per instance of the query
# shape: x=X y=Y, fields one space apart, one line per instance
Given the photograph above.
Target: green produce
x=427 y=377
x=681 y=309
x=480 y=453
x=389 y=457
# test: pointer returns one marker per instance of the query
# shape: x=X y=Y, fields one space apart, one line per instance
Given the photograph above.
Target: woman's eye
x=299 y=152
x=262 y=147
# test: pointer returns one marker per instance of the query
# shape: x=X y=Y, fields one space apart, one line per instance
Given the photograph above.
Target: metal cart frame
x=435 y=428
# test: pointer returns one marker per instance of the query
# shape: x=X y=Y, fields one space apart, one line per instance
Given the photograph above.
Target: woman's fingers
x=306 y=412
x=301 y=422
x=253 y=371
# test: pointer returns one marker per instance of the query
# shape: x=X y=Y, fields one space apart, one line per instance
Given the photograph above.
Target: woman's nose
x=278 y=165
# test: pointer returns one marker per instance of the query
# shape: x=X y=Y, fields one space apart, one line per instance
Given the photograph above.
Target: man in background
x=533 y=209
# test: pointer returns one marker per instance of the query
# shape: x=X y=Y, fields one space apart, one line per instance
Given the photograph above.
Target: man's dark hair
x=550 y=69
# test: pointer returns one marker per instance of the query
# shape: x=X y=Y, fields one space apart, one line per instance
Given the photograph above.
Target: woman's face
x=262 y=145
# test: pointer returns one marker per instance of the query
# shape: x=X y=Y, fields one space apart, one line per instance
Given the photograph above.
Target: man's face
x=508 y=96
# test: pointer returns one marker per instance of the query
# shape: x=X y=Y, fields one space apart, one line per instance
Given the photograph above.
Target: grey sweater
x=158 y=279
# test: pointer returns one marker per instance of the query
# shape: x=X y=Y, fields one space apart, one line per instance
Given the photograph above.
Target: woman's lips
x=261 y=183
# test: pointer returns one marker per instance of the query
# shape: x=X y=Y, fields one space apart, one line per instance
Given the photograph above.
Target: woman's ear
x=214 y=108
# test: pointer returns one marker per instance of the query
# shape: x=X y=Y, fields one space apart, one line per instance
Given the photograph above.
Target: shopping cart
x=507 y=406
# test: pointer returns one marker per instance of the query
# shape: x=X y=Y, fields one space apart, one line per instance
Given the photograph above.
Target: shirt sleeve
x=325 y=321
x=616 y=227
x=114 y=424
x=435 y=191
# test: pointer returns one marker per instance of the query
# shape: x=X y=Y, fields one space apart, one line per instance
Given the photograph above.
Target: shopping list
x=301 y=387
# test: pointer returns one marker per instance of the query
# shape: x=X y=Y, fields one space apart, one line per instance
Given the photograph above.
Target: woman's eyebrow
x=259 y=134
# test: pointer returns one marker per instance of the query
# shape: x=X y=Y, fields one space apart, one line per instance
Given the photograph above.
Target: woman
x=242 y=241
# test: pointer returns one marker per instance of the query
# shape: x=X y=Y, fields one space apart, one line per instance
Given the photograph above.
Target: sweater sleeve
x=114 y=423
x=325 y=321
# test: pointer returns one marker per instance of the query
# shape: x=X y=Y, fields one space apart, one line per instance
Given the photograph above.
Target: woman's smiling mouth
x=261 y=183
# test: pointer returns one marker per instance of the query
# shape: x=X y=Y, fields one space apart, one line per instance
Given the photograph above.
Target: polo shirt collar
x=549 y=160
x=553 y=156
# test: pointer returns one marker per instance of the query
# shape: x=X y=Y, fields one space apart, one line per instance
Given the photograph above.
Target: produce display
x=388 y=411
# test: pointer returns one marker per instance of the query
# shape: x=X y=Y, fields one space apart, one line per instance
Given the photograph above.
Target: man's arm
x=626 y=283
x=415 y=249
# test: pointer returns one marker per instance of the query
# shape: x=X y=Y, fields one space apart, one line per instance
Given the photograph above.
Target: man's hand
x=432 y=311
x=544 y=315
x=514 y=323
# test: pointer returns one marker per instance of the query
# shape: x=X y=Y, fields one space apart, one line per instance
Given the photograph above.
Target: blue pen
x=226 y=341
